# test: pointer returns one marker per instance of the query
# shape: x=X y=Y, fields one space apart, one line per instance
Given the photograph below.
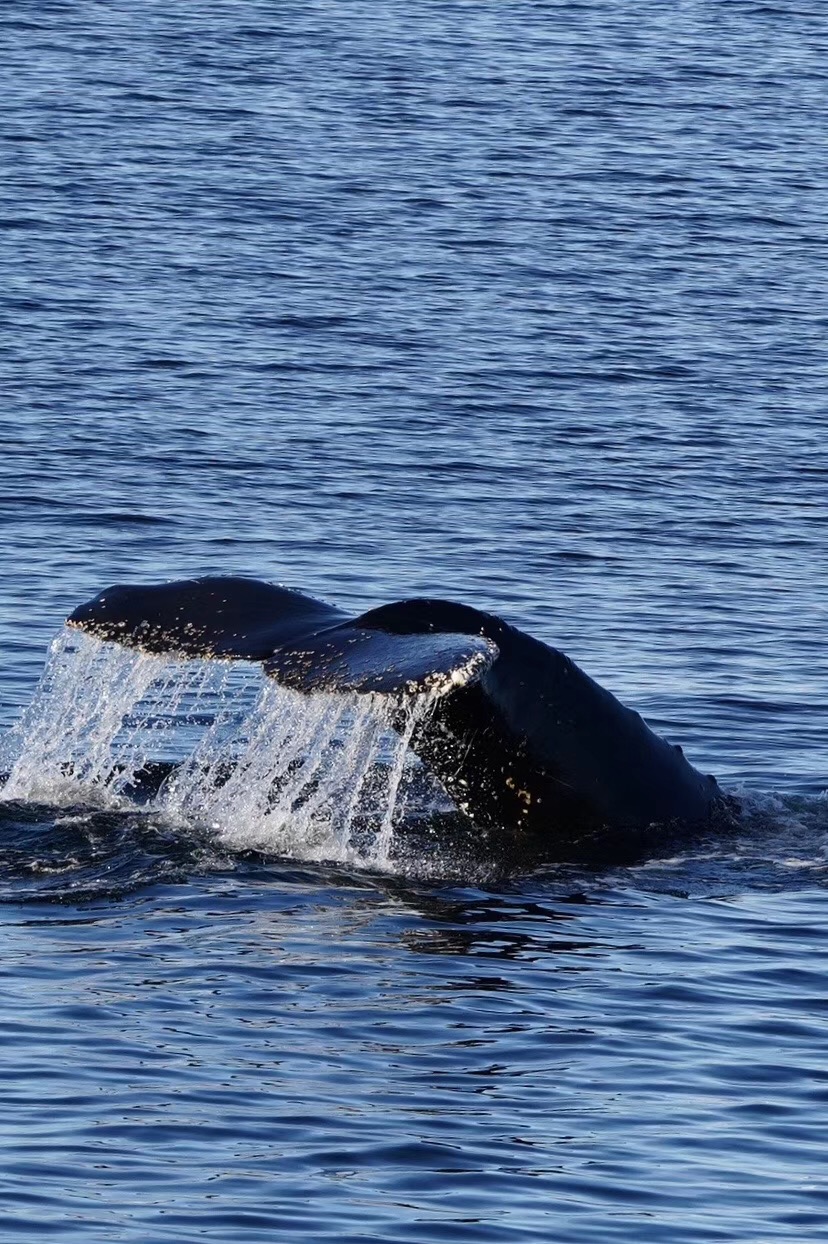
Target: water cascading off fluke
x=314 y=777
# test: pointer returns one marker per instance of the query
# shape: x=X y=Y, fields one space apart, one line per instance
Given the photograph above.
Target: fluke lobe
x=525 y=743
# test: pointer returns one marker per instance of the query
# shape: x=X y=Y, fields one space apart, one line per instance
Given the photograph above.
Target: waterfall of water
x=321 y=777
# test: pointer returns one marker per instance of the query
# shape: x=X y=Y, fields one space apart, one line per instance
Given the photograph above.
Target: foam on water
x=321 y=777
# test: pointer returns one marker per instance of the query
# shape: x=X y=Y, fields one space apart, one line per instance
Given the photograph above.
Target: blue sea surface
x=516 y=302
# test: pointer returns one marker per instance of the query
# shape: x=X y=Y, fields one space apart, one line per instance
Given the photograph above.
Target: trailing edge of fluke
x=526 y=744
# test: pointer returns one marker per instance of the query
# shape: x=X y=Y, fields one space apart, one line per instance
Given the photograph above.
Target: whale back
x=535 y=744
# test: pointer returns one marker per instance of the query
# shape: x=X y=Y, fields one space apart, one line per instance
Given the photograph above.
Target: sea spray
x=319 y=777
x=78 y=731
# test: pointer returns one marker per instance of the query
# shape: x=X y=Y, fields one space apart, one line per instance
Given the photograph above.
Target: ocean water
x=521 y=304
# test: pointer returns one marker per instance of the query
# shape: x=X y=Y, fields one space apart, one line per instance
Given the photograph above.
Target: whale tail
x=303 y=643
x=521 y=738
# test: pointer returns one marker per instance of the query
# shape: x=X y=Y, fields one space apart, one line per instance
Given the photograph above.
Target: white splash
x=66 y=738
x=320 y=777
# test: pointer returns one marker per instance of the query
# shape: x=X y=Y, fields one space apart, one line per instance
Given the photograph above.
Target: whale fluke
x=224 y=616
x=523 y=740
x=354 y=658
x=304 y=644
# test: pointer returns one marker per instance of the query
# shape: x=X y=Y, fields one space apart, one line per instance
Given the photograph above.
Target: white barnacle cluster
x=442 y=682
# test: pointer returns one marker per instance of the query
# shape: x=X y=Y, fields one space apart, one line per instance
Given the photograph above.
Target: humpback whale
x=525 y=743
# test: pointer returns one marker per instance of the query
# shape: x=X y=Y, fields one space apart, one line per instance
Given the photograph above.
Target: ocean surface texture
x=516 y=302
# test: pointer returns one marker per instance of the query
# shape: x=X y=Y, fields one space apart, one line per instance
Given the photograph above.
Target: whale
x=529 y=748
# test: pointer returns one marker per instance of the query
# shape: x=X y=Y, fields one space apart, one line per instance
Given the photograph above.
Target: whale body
x=526 y=744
